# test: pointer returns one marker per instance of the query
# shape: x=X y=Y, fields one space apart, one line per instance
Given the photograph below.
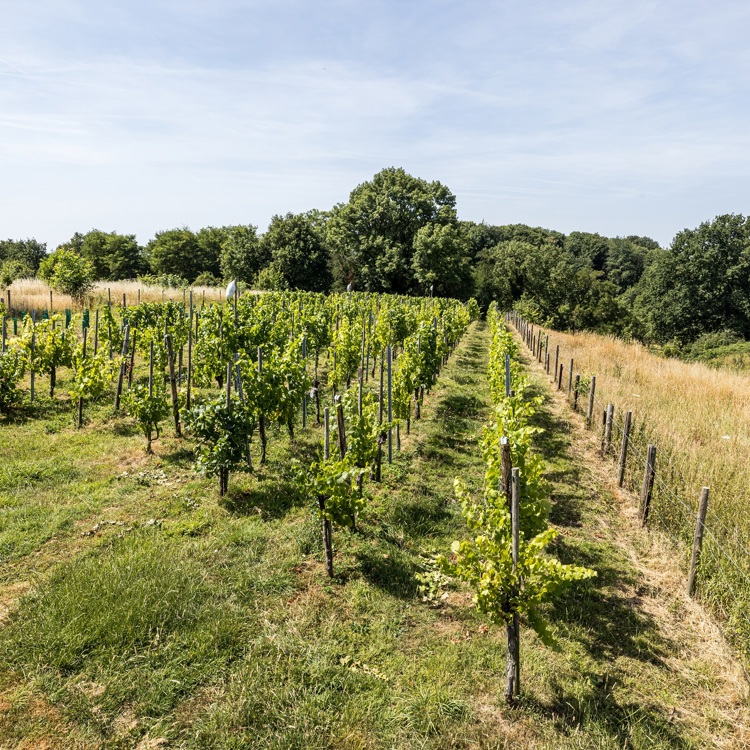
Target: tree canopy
x=372 y=236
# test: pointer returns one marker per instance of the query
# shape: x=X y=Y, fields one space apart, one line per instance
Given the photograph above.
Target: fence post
x=592 y=391
x=698 y=540
x=557 y=357
x=570 y=378
x=624 y=448
x=575 y=392
x=648 y=482
x=607 y=439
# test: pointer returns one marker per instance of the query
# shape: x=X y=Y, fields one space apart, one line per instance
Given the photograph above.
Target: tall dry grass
x=699 y=419
x=34 y=294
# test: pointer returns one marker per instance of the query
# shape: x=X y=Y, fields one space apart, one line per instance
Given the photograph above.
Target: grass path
x=214 y=625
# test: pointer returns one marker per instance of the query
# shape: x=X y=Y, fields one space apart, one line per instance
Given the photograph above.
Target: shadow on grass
x=180 y=456
x=272 y=499
x=598 y=711
x=391 y=571
x=604 y=616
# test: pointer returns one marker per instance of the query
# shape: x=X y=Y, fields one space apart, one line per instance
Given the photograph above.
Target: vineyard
x=307 y=521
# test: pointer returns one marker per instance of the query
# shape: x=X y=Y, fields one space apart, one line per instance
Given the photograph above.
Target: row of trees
x=401 y=234
x=396 y=234
x=626 y=286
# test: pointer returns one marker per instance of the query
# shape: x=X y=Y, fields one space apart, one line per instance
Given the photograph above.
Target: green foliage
x=222 y=433
x=28 y=252
x=372 y=236
x=441 y=260
x=206 y=278
x=113 y=256
x=177 y=252
x=700 y=285
x=337 y=483
x=363 y=429
x=299 y=255
x=346 y=345
x=242 y=256
x=485 y=562
x=164 y=280
x=503 y=589
x=148 y=409
x=12 y=369
x=92 y=374
x=12 y=269
x=271 y=279
x=68 y=273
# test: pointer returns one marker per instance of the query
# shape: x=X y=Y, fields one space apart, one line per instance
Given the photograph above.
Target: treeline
x=401 y=234
x=699 y=288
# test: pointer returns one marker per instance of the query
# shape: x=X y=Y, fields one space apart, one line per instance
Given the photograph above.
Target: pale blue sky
x=611 y=117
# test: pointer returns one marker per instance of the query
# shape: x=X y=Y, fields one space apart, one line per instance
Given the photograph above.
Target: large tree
x=701 y=285
x=113 y=256
x=175 y=251
x=372 y=236
x=28 y=252
x=297 y=247
x=441 y=260
x=242 y=256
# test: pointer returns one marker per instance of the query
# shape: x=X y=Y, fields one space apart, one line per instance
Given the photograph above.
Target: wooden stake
x=607 y=439
x=173 y=385
x=624 y=449
x=648 y=482
x=513 y=667
x=123 y=360
x=570 y=379
x=389 y=357
x=700 y=525
x=592 y=391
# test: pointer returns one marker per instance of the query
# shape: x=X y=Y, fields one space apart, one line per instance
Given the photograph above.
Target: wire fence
x=723 y=564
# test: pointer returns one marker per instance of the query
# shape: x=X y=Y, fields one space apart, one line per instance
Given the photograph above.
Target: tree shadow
x=599 y=707
x=393 y=571
x=271 y=499
x=422 y=512
x=180 y=456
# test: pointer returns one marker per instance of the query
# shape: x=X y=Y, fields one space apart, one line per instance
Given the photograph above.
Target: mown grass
x=213 y=625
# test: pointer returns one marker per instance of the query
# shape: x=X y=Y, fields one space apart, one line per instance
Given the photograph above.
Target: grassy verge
x=185 y=623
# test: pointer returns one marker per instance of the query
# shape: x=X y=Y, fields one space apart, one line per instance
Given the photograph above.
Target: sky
x=582 y=115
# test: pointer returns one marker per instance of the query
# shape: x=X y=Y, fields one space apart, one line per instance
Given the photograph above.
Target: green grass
x=213 y=625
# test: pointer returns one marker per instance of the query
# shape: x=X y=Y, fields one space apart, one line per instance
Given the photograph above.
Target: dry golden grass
x=34 y=294
x=698 y=416
x=699 y=419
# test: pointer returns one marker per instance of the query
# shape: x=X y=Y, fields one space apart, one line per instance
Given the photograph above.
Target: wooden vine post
x=123 y=360
x=570 y=379
x=173 y=385
x=389 y=356
x=513 y=666
x=327 y=534
x=261 y=417
x=33 y=347
x=80 y=397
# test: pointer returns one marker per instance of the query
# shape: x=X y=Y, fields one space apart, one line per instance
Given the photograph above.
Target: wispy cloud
x=585 y=115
